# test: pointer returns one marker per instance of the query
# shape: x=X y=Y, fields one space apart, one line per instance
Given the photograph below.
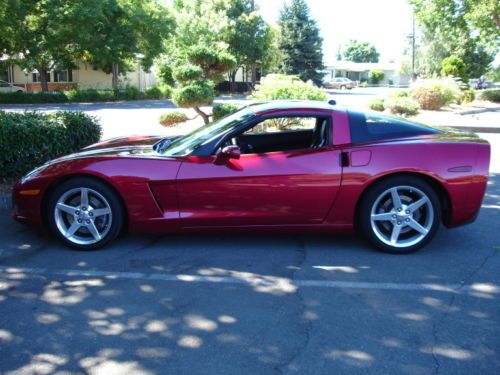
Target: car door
x=280 y=187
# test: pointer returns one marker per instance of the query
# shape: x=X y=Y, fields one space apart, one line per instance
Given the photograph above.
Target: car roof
x=273 y=105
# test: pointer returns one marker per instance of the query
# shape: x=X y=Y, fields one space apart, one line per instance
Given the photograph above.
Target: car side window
x=367 y=127
x=284 y=134
x=4 y=84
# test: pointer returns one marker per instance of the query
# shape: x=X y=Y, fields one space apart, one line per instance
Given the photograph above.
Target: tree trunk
x=254 y=76
x=42 y=71
x=232 y=81
x=203 y=115
x=114 y=77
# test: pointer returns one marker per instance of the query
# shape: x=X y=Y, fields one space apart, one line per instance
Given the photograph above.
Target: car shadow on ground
x=120 y=318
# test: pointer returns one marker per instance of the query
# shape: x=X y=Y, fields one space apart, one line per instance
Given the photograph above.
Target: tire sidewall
x=364 y=217
x=107 y=192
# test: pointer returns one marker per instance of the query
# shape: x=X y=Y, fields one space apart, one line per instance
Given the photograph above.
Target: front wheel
x=85 y=213
x=400 y=214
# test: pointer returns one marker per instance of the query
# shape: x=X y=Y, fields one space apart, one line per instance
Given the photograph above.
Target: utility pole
x=413 y=75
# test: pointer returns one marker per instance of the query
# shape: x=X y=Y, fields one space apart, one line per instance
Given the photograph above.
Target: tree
x=300 y=42
x=468 y=29
x=454 y=66
x=273 y=56
x=129 y=30
x=199 y=57
x=376 y=76
x=50 y=34
x=360 y=52
x=247 y=36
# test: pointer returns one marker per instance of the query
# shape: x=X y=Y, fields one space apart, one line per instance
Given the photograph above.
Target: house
x=360 y=72
x=84 y=76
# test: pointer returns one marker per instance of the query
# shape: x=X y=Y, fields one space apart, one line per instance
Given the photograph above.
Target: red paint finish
x=296 y=187
x=302 y=190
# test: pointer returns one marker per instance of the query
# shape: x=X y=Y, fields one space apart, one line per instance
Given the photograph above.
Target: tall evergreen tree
x=300 y=42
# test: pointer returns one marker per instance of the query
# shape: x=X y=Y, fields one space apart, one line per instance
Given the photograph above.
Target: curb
x=477 y=111
x=475 y=129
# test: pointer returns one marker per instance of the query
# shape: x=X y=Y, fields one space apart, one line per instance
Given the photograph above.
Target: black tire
x=117 y=211
x=376 y=192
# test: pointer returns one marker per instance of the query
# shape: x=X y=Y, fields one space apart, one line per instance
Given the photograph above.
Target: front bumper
x=27 y=209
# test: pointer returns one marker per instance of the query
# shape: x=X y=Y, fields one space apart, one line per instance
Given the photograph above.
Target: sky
x=384 y=23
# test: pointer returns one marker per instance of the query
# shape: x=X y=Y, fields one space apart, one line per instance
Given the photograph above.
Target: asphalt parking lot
x=253 y=304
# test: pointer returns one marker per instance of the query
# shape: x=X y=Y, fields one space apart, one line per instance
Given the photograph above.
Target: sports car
x=287 y=166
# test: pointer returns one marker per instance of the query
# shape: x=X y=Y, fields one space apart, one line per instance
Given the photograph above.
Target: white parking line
x=251 y=279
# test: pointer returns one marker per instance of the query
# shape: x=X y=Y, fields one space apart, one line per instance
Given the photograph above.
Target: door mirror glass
x=230 y=152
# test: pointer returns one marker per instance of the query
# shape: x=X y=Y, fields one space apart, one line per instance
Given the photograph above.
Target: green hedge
x=492 y=95
x=90 y=95
x=29 y=139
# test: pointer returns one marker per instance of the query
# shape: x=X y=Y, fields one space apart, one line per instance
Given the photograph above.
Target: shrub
x=492 y=95
x=41 y=97
x=166 y=91
x=165 y=74
x=399 y=94
x=128 y=93
x=401 y=106
x=222 y=110
x=468 y=95
x=172 y=118
x=29 y=139
x=376 y=76
x=194 y=94
x=278 y=86
x=90 y=95
x=454 y=66
x=434 y=94
x=188 y=72
x=377 y=104
x=158 y=92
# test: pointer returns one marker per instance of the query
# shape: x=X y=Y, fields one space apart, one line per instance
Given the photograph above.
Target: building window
x=63 y=75
x=36 y=77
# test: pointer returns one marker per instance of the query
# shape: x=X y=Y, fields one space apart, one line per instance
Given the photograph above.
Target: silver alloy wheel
x=402 y=216
x=83 y=216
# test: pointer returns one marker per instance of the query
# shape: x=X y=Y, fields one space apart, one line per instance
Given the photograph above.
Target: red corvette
x=280 y=166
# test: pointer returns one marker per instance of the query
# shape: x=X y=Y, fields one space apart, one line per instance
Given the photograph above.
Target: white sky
x=384 y=23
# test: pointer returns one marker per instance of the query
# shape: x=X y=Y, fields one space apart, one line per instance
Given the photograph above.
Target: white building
x=84 y=76
x=360 y=71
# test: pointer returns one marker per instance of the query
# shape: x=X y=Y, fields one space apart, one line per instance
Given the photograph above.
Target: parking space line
x=250 y=279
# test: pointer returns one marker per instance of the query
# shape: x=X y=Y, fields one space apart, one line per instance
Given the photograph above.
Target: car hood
x=136 y=146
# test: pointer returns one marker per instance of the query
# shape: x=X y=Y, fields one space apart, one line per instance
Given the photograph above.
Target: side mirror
x=230 y=152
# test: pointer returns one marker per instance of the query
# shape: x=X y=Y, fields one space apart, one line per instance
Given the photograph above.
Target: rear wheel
x=85 y=213
x=400 y=215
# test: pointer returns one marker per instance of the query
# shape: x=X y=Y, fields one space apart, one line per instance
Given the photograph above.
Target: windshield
x=187 y=144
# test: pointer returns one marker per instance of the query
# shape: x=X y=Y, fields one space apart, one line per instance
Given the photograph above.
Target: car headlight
x=35 y=172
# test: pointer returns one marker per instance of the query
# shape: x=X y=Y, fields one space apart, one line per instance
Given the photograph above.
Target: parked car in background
x=288 y=166
x=340 y=83
x=479 y=84
x=9 y=87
